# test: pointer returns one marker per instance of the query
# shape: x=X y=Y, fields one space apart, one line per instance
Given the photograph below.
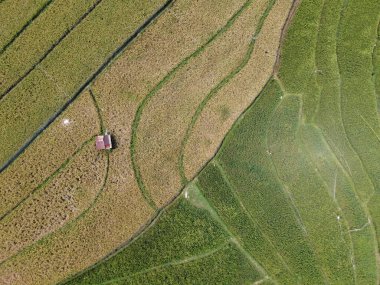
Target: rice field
x=246 y=142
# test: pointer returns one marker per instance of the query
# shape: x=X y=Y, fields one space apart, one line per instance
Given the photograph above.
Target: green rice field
x=246 y=142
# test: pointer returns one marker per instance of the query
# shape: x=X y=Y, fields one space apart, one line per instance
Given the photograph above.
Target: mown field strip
x=15 y=20
x=216 y=89
x=48 y=51
x=94 y=75
x=158 y=87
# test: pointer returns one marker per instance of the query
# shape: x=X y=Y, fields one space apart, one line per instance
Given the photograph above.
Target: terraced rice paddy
x=247 y=139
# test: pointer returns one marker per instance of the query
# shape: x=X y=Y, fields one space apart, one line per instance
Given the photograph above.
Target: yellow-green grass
x=15 y=15
x=157 y=152
x=346 y=110
x=220 y=108
x=376 y=67
x=298 y=69
x=56 y=79
x=244 y=167
x=40 y=38
x=56 y=202
x=245 y=190
x=186 y=246
x=49 y=152
x=292 y=193
x=357 y=89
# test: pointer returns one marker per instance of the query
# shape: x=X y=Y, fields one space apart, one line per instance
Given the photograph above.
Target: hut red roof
x=103 y=142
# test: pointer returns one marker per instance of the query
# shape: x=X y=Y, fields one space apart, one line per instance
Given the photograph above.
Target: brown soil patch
x=76 y=125
x=223 y=110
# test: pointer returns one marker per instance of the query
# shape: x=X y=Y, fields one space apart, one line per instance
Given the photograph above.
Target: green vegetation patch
x=185 y=246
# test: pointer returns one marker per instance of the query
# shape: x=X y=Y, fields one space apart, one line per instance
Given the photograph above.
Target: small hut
x=104 y=141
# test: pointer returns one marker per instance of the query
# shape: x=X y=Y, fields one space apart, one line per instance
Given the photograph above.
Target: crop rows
x=46 y=155
x=33 y=46
x=182 y=89
x=67 y=69
x=294 y=182
x=221 y=107
x=291 y=196
x=182 y=252
x=111 y=203
x=15 y=20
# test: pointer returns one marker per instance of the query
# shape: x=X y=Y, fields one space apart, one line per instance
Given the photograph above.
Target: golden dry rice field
x=246 y=142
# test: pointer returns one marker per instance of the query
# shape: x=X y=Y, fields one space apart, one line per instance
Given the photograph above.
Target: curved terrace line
x=82 y=214
x=214 y=91
x=158 y=213
x=348 y=244
x=26 y=25
x=140 y=109
x=45 y=55
x=47 y=180
x=113 y=55
x=343 y=165
x=288 y=194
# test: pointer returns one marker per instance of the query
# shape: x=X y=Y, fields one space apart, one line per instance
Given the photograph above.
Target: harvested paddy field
x=246 y=141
